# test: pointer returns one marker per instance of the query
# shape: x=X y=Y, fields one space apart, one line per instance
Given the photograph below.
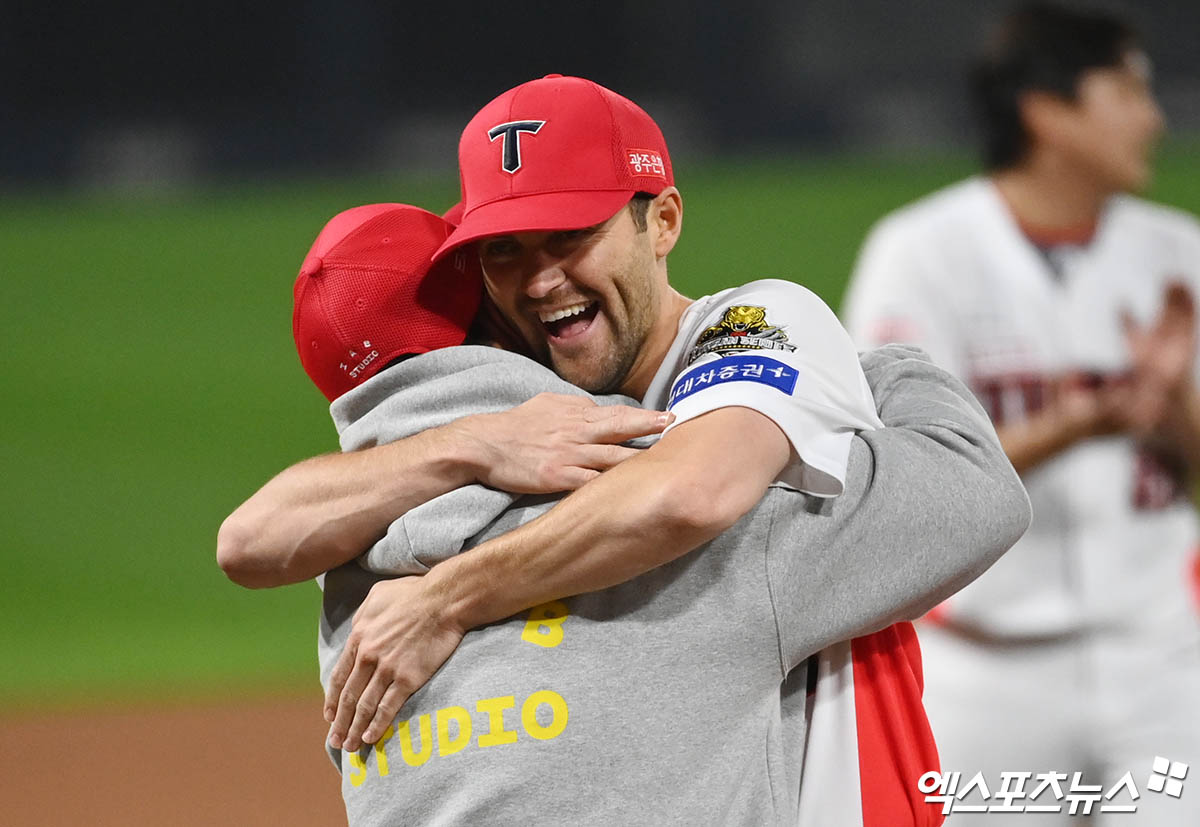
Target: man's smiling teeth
x=556 y=315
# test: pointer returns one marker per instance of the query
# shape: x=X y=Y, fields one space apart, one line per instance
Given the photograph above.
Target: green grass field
x=152 y=385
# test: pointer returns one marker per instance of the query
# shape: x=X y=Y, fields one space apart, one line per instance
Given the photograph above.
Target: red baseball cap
x=558 y=153
x=367 y=293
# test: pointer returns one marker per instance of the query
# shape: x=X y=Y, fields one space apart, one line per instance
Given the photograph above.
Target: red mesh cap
x=367 y=293
x=559 y=153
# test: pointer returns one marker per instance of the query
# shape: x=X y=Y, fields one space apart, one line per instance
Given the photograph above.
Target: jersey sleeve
x=775 y=347
x=893 y=295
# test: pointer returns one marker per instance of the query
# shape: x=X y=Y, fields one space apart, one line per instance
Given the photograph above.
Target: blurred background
x=163 y=169
x=166 y=95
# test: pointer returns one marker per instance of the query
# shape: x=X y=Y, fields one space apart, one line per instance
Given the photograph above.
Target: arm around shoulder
x=641 y=514
x=957 y=475
x=326 y=510
x=930 y=502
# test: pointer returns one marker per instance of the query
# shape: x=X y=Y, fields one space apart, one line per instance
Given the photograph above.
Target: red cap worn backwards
x=559 y=153
x=367 y=293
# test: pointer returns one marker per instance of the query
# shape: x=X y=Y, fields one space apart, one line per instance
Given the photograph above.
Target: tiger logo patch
x=742 y=327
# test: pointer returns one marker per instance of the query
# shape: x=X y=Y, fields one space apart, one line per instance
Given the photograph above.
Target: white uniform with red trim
x=776 y=347
x=1080 y=649
x=773 y=346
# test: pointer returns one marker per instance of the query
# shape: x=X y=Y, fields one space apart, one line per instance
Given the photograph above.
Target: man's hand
x=1090 y=405
x=1164 y=352
x=398 y=640
x=555 y=442
x=1156 y=398
x=1163 y=355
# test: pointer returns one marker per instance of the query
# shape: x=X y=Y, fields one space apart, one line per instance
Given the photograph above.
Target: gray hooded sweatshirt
x=677 y=697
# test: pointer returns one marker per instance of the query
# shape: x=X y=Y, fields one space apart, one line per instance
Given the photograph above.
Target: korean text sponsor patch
x=746 y=368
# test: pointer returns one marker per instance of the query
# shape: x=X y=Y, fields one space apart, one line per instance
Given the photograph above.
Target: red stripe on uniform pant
x=895 y=742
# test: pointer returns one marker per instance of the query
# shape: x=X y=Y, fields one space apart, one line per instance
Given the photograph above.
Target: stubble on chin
x=601 y=375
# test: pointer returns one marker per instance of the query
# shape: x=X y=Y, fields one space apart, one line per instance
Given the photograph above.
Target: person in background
x=1066 y=303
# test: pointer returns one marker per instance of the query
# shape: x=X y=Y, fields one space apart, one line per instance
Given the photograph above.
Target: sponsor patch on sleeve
x=745 y=368
x=742 y=327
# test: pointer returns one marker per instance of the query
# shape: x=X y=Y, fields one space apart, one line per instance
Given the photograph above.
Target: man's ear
x=1046 y=116
x=665 y=218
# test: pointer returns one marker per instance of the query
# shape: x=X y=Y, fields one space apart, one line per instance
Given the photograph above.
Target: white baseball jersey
x=775 y=347
x=1113 y=535
x=1079 y=650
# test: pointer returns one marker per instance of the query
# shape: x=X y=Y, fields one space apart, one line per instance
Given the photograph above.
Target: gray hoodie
x=671 y=698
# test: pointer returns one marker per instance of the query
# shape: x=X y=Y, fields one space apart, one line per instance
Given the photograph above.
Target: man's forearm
x=640 y=515
x=1030 y=443
x=325 y=511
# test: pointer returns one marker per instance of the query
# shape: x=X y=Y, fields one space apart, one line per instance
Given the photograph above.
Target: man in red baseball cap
x=552 y=161
x=568 y=194
x=366 y=295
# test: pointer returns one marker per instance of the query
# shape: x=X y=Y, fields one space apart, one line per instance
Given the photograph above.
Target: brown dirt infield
x=241 y=762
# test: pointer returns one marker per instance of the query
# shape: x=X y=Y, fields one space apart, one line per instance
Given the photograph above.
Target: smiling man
x=588 y=325
x=763 y=596
x=569 y=197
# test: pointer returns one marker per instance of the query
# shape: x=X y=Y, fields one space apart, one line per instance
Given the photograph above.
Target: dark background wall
x=150 y=93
